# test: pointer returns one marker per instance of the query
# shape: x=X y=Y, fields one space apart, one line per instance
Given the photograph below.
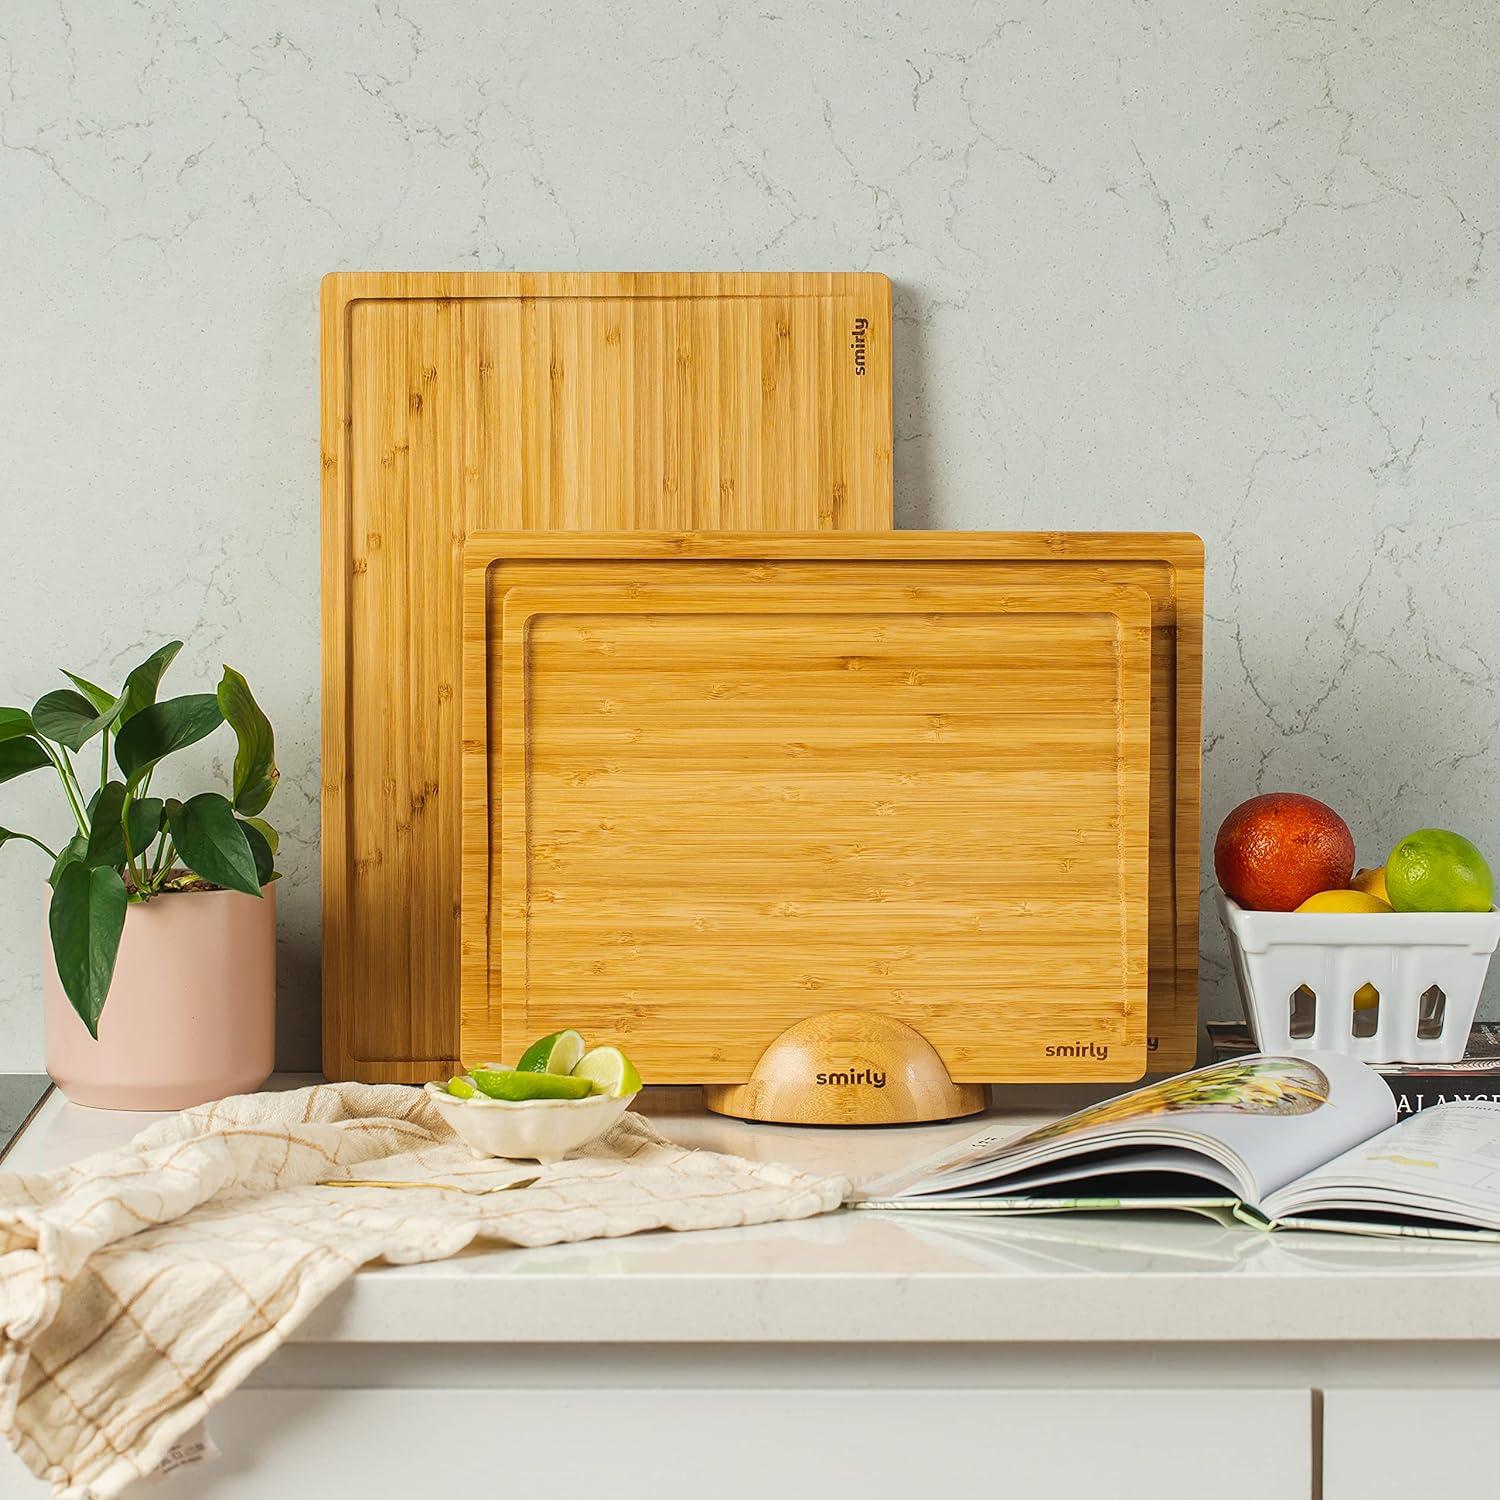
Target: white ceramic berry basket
x=1299 y=973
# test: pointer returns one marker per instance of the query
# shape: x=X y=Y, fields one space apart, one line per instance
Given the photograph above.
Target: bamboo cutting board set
x=639 y=718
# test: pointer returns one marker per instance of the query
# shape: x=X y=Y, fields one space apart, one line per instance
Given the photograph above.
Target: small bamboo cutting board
x=455 y=402
x=704 y=801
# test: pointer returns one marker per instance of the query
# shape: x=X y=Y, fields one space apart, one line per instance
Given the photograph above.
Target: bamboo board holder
x=719 y=784
x=456 y=402
x=848 y=1067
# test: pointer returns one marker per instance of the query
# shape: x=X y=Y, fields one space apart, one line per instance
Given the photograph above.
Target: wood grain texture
x=715 y=783
x=848 y=1067
x=456 y=402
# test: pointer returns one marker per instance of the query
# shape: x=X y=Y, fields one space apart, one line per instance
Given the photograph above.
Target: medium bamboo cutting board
x=465 y=401
x=1169 y=567
x=717 y=784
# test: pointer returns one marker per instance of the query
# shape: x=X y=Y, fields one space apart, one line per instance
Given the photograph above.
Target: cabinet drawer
x=1379 y=1443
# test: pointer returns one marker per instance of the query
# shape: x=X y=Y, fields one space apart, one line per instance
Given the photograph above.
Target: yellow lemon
x=1345 y=901
x=1366 y=997
x=1372 y=883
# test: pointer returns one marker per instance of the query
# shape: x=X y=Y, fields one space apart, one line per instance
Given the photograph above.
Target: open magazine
x=1305 y=1142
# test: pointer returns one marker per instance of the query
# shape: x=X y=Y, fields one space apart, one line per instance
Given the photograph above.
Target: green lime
x=610 y=1071
x=1435 y=870
x=511 y=1084
x=557 y=1053
x=460 y=1088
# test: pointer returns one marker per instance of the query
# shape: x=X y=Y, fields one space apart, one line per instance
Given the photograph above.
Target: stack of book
x=1415 y=1085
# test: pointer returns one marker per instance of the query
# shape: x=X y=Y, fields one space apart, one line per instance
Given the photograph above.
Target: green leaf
x=140 y=687
x=104 y=702
x=269 y=834
x=106 y=843
x=18 y=756
x=15 y=722
x=265 y=863
x=255 y=773
x=143 y=821
x=109 y=819
x=213 y=844
x=67 y=718
x=156 y=731
x=72 y=851
x=86 y=918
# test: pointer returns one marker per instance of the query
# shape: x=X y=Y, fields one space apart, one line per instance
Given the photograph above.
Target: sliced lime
x=460 y=1088
x=514 y=1085
x=558 y=1053
x=610 y=1071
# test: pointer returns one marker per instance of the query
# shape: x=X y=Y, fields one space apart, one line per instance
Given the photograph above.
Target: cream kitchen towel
x=140 y=1287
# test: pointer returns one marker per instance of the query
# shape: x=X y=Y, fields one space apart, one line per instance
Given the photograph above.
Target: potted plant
x=160 y=979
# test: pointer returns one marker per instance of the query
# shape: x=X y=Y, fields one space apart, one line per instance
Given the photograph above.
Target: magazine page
x=1441 y=1166
x=1094 y=1167
x=1248 y=1125
x=1226 y=1212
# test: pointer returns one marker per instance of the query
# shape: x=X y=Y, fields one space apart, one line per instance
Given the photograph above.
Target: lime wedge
x=514 y=1085
x=610 y=1071
x=460 y=1088
x=557 y=1053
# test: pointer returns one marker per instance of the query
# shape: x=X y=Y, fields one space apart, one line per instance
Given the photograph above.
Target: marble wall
x=1159 y=263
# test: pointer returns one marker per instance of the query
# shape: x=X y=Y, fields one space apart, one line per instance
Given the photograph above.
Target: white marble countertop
x=876 y=1278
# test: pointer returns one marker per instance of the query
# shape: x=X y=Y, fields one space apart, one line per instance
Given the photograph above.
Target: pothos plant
x=128 y=845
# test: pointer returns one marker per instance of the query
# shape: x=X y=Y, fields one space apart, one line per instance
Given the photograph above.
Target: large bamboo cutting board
x=704 y=801
x=456 y=402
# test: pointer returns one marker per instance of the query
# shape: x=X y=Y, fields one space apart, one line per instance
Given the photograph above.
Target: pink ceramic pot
x=191 y=1013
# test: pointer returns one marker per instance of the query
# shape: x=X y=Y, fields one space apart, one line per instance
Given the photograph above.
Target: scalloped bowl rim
x=483 y=1101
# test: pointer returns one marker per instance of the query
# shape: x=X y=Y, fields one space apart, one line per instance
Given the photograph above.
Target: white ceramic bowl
x=543 y=1130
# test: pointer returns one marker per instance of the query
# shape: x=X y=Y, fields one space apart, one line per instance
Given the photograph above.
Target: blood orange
x=1275 y=851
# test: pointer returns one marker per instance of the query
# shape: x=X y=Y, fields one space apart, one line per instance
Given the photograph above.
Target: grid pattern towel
x=140 y=1287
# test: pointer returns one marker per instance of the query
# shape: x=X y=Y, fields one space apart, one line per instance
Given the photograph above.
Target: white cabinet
x=739 y=1444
